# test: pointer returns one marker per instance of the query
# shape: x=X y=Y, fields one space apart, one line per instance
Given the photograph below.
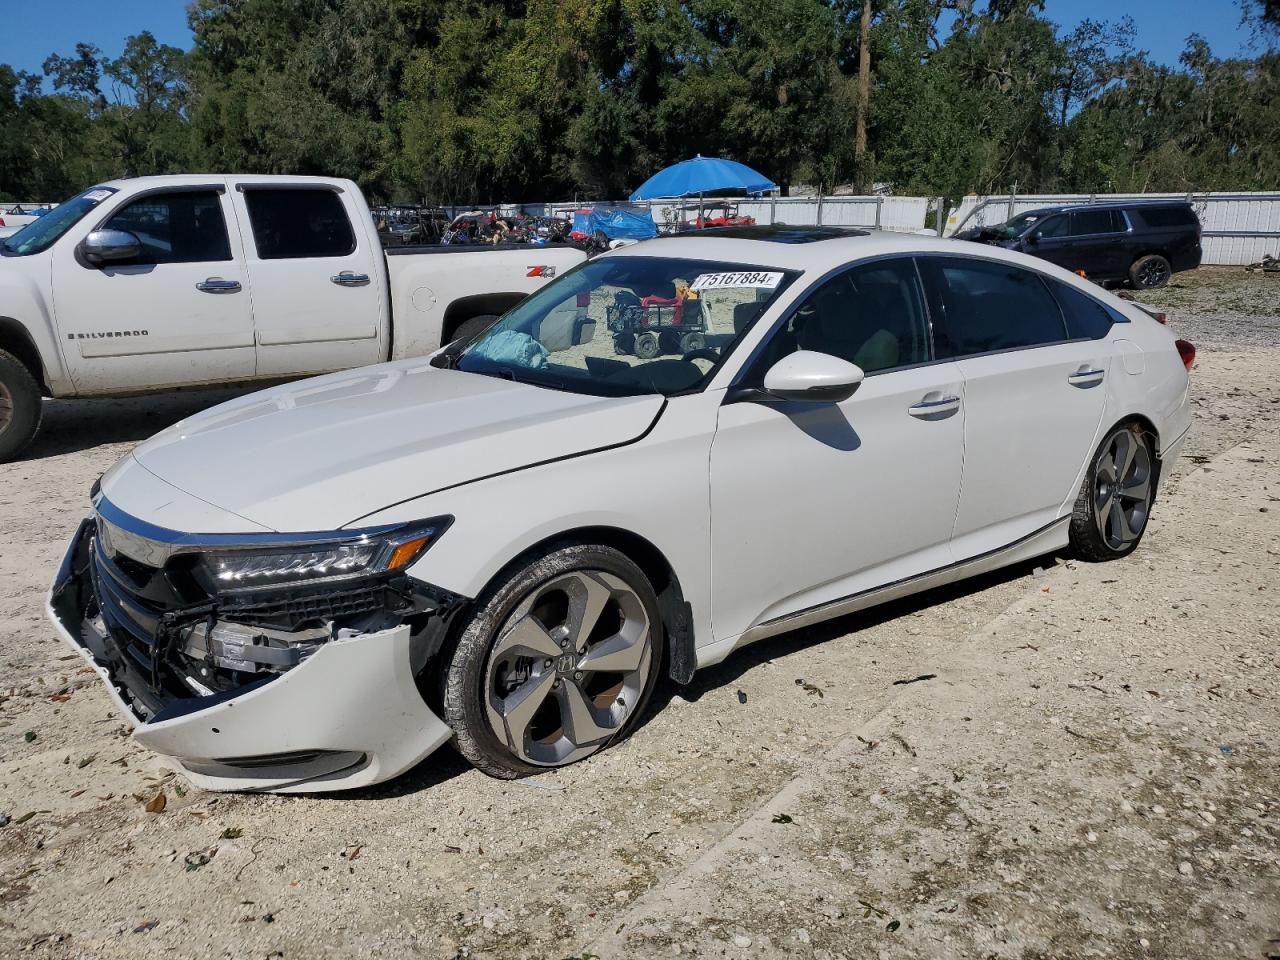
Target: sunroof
x=779 y=233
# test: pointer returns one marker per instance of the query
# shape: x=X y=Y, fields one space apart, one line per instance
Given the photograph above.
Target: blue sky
x=32 y=29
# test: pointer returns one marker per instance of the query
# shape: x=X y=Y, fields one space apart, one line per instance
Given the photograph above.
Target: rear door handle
x=1086 y=376
x=935 y=406
x=348 y=279
x=218 y=285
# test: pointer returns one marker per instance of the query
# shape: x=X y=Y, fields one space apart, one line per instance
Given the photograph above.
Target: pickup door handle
x=348 y=279
x=218 y=285
x=1086 y=376
x=935 y=406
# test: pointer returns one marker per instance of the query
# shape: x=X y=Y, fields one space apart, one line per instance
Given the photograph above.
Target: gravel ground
x=1091 y=769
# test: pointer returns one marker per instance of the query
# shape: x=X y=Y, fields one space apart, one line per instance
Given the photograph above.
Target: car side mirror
x=813 y=377
x=109 y=246
x=1033 y=238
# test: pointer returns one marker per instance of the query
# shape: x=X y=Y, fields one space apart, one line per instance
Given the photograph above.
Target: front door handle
x=348 y=279
x=218 y=285
x=1086 y=376
x=935 y=406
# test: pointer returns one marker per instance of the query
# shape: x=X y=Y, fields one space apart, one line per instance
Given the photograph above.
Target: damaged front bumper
x=239 y=706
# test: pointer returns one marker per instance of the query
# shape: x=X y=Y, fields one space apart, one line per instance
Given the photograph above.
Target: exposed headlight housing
x=346 y=556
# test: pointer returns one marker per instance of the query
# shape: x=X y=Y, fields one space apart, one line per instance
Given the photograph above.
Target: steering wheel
x=703 y=353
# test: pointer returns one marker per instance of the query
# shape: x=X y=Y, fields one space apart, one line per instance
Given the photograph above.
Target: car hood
x=320 y=454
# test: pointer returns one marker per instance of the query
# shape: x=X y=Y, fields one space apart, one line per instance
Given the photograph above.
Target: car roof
x=776 y=247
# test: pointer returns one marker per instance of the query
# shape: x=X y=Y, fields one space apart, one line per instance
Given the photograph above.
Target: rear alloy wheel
x=556 y=665
x=20 y=406
x=1150 y=271
x=1114 y=504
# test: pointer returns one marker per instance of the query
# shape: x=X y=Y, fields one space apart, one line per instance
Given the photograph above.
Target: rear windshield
x=625 y=326
x=40 y=234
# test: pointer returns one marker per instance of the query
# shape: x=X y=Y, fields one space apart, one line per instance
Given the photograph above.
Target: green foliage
x=482 y=100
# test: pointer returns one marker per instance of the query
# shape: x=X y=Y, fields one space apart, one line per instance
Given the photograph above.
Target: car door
x=313 y=270
x=1033 y=397
x=812 y=503
x=176 y=315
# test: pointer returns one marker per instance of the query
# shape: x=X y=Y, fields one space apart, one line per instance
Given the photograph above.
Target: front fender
x=26 y=313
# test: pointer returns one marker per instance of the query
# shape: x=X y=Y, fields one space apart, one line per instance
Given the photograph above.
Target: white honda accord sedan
x=673 y=450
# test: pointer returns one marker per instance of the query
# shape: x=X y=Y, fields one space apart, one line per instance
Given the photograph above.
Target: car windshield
x=624 y=326
x=1017 y=226
x=42 y=233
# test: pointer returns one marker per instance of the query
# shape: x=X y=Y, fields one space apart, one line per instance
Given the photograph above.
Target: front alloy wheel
x=557 y=665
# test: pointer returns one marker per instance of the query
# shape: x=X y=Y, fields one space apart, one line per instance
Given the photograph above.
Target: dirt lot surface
x=1087 y=763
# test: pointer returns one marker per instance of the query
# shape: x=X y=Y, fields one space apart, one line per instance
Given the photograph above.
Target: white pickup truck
x=160 y=283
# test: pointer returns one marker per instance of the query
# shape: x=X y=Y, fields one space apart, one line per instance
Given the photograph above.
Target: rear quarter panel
x=425 y=283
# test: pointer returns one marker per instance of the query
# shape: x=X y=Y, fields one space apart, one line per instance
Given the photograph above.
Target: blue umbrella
x=701 y=175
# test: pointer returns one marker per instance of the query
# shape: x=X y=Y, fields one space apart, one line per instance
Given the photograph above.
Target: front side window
x=979 y=307
x=872 y=316
x=624 y=326
x=182 y=227
x=42 y=233
x=293 y=224
x=1087 y=222
x=1054 y=227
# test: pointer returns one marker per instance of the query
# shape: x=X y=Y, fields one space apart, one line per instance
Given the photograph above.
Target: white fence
x=1238 y=227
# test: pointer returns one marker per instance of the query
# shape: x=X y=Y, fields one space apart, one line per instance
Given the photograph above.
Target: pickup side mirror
x=813 y=377
x=109 y=246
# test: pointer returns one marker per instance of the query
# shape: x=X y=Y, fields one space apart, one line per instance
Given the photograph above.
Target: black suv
x=1144 y=242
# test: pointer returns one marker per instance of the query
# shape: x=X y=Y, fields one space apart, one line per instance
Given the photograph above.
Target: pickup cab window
x=291 y=224
x=39 y=235
x=181 y=227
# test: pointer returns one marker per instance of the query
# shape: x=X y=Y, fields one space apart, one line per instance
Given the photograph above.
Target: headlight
x=356 y=554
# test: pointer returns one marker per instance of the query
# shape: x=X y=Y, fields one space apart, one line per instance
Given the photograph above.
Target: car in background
x=1141 y=242
x=506 y=545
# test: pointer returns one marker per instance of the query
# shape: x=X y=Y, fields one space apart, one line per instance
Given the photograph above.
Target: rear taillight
x=1187 y=351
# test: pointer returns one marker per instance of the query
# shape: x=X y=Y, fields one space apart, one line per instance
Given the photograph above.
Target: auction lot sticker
x=747 y=278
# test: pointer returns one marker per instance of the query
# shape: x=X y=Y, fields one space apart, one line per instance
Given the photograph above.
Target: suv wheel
x=1150 y=271
x=20 y=407
x=557 y=664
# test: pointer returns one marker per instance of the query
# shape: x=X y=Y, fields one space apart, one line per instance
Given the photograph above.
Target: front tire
x=557 y=663
x=20 y=406
x=1114 y=503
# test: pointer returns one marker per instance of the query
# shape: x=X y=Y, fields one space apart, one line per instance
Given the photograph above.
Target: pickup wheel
x=473 y=327
x=557 y=663
x=20 y=407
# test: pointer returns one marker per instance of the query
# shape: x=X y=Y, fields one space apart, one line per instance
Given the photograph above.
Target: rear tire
x=20 y=406
x=1114 y=503
x=557 y=663
x=473 y=327
x=1150 y=272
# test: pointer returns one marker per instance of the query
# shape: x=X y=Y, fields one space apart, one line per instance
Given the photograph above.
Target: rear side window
x=981 y=307
x=294 y=224
x=1179 y=216
x=1086 y=318
x=182 y=227
x=1086 y=222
